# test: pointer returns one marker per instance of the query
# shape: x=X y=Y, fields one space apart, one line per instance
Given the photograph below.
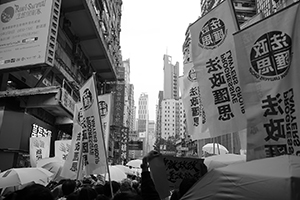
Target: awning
x=53 y=99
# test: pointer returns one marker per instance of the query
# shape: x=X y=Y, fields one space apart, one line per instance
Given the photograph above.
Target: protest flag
x=39 y=149
x=94 y=151
x=105 y=108
x=214 y=59
x=72 y=168
x=268 y=62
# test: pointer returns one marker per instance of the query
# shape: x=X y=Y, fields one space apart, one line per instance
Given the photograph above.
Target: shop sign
x=67 y=100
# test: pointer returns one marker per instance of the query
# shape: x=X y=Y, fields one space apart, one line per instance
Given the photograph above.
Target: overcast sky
x=150 y=29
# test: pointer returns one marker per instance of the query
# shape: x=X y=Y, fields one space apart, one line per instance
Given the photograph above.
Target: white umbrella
x=135 y=163
x=125 y=169
x=53 y=165
x=21 y=176
x=116 y=174
x=217 y=161
x=214 y=148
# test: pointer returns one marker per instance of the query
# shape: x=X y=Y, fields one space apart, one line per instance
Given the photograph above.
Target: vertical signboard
x=119 y=105
x=28 y=31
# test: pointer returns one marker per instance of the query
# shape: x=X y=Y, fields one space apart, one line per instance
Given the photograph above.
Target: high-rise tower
x=171 y=74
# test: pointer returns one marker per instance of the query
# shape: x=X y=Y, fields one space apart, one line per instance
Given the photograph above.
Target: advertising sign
x=28 y=32
x=135 y=145
x=119 y=105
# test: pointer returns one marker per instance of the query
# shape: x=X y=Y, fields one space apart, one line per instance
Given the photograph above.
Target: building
x=171 y=74
x=268 y=7
x=245 y=9
x=38 y=88
x=143 y=118
x=151 y=136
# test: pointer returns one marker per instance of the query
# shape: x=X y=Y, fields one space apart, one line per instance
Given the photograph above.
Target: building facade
x=171 y=74
x=268 y=7
x=143 y=119
x=40 y=87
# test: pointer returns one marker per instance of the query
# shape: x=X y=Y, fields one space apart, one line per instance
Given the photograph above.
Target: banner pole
x=80 y=163
x=105 y=152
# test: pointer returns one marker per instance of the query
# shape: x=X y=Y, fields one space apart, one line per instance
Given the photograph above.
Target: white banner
x=105 y=107
x=94 y=153
x=214 y=58
x=39 y=149
x=71 y=165
x=268 y=58
x=62 y=148
x=190 y=93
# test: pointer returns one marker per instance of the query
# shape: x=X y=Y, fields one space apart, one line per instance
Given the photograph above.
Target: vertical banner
x=268 y=58
x=119 y=105
x=39 y=149
x=105 y=109
x=62 y=149
x=72 y=163
x=214 y=59
x=94 y=157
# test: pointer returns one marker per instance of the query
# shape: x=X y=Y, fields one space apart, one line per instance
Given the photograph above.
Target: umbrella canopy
x=135 y=163
x=21 y=176
x=219 y=149
x=223 y=160
x=116 y=174
x=125 y=169
x=268 y=179
x=53 y=165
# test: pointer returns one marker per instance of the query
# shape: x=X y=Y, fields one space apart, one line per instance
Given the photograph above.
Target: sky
x=150 y=29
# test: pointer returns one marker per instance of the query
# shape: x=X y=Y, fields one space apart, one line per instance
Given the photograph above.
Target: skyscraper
x=171 y=74
x=143 y=118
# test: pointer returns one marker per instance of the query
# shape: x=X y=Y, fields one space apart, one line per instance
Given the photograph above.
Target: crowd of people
x=95 y=188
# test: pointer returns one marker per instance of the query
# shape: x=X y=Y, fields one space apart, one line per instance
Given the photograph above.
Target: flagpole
x=80 y=161
x=105 y=153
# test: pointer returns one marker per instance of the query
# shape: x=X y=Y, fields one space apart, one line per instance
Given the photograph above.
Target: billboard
x=28 y=30
x=135 y=145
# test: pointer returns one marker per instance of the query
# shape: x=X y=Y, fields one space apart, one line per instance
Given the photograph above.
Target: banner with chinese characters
x=268 y=58
x=195 y=115
x=214 y=59
x=169 y=171
x=62 y=149
x=71 y=165
x=105 y=109
x=39 y=149
x=93 y=146
x=119 y=105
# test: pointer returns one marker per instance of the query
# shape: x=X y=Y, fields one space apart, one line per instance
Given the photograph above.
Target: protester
x=127 y=196
x=87 y=193
x=68 y=187
x=31 y=192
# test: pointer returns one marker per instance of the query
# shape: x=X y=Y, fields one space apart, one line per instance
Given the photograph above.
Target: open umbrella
x=214 y=148
x=53 y=165
x=135 y=163
x=125 y=169
x=223 y=160
x=116 y=174
x=267 y=179
x=21 y=176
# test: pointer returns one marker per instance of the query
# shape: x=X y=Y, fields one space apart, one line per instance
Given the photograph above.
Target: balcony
x=85 y=26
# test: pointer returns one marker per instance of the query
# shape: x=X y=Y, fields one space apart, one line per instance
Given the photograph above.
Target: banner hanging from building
x=105 y=106
x=214 y=59
x=39 y=149
x=268 y=58
x=28 y=32
x=72 y=164
x=62 y=149
x=93 y=151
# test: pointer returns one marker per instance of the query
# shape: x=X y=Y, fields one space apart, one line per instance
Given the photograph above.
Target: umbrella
x=268 y=179
x=219 y=149
x=125 y=169
x=135 y=163
x=21 y=176
x=116 y=174
x=223 y=160
x=53 y=165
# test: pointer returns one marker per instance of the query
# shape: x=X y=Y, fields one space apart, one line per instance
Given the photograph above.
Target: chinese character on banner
x=270 y=82
x=39 y=149
x=214 y=60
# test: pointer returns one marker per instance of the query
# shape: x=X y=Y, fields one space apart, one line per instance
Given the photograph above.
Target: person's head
x=34 y=192
x=127 y=196
x=186 y=184
x=115 y=187
x=68 y=187
x=72 y=196
x=125 y=185
x=87 y=193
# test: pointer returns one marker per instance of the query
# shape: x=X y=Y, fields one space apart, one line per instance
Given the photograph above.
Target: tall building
x=143 y=118
x=68 y=42
x=268 y=7
x=151 y=136
x=171 y=74
x=245 y=9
